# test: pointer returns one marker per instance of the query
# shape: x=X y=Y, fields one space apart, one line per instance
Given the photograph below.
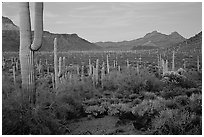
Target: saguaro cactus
x=173 y=57
x=102 y=73
x=96 y=71
x=108 y=67
x=90 y=68
x=198 y=63
x=127 y=63
x=56 y=64
x=14 y=75
x=26 y=50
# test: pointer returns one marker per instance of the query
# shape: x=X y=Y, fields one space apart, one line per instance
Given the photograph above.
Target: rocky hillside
x=156 y=39
x=66 y=42
x=193 y=43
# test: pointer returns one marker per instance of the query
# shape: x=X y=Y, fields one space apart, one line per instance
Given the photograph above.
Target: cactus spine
x=26 y=50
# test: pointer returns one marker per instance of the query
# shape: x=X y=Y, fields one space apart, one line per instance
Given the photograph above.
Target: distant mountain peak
x=153 y=33
x=175 y=33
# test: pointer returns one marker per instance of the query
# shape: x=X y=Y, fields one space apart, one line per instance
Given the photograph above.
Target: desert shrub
x=146 y=111
x=176 y=79
x=105 y=105
x=168 y=93
x=153 y=84
x=182 y=100
x=110 y=82
x=190 y=91
x=196 y=103
x=19 y=118
x=129 y=81
x=136 y=101
x=96 y=110
x=171 y=104
x=193 y=75
x=114 y=100
x=107 y=93
x=8 y=86
x=122 y=110
x=133 y=96
x=68 y=106
x=119 y=95
x=91 y=102
x=84 y=90
x=175 y=122
x=149 y=95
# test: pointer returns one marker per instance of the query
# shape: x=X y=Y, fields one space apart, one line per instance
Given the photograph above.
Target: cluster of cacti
x=27 y=49
x=59 y=68
x=162 y=65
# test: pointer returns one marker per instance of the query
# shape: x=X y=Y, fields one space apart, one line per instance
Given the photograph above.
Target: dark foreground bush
x=19 y=118
x=176 y=122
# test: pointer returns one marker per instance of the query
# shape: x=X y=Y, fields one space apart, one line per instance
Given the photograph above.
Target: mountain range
x=66 y=42
x=149 y=41
x=72 y=42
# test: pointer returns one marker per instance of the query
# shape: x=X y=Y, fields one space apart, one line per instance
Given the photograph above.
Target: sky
x=115 y=21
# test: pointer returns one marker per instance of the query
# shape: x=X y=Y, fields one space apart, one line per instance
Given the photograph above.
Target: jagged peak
x=175 y=33
x=155 y=32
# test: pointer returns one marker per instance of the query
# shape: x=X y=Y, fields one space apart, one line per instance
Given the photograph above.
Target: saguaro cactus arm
x=37 y=43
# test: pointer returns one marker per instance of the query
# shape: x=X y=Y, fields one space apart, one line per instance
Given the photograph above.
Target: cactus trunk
x=56 y=64
x=173 y=65
x=198 y=63
x=26 y=51
x=108 y=67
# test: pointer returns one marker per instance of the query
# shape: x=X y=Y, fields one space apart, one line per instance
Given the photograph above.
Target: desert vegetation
x=142 y=95
x=150 y=92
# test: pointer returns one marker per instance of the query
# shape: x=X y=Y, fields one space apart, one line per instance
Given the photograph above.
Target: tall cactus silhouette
x=56 y=64
x=173 y=58
x=108 y=67
x=198 y=63
x=26 y=50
